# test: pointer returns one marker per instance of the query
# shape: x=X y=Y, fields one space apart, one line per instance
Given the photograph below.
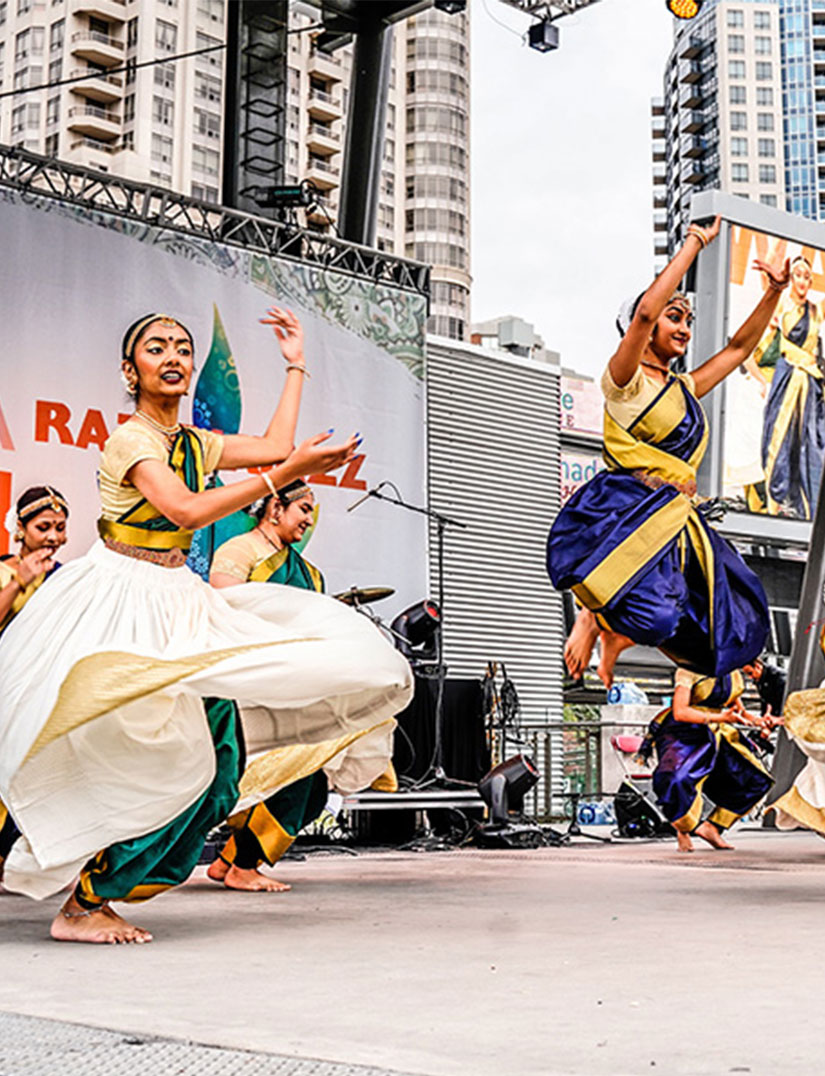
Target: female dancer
x=793 y=431
x=104 y=739
x=700 y=754
x=288 y=788
x=630 y=544
x=41 y=513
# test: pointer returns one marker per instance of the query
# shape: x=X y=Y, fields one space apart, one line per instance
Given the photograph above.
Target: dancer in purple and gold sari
x=700 y=754
x=632 y=544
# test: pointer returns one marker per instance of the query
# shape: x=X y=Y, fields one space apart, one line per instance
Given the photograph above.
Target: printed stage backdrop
x=775 y=408
x=72 y=280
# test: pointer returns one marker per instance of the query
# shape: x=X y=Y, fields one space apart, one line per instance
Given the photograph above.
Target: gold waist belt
x=129 y=535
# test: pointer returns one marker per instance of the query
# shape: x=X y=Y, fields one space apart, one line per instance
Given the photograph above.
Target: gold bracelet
x=296 y=366
x=698 y=233
x=773 y=284
x=16 y=577
x=269 y=484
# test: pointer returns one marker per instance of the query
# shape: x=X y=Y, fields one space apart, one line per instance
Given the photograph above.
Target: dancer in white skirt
x=105 y=742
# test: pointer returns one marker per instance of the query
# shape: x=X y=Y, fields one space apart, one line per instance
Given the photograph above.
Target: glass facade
x=799 y=107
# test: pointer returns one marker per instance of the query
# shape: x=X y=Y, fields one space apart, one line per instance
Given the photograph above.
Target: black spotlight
x=684 y=9
x=450 y=7
x=418 y=628
x=503 y=789
x=543 y=36
x=290 y=197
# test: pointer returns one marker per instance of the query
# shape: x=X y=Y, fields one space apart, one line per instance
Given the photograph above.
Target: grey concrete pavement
x=582 y=960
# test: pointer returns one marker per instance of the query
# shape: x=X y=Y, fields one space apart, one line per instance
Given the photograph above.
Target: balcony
x=819 y=56
x=324 y=66
x=693 y=47
x=689 y=71
x=694 y=172
x=109 y=10
x=104 y=88
x=693 y=122
x=659 y=174
x=324 y=105
x=94 y=122
x=690 y=96
x=323 y=140
x=659 y=222
x=98 y=48
x=91 y=152
x=324 y=175
x=693 y=146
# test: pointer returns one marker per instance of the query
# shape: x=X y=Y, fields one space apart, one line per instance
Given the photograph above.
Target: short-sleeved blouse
x=626 y=402
x=129 y=444
x=241 y=555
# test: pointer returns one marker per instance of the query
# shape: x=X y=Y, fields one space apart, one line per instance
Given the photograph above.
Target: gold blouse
x=626 y=402
x=241 y=555
x=129 y=444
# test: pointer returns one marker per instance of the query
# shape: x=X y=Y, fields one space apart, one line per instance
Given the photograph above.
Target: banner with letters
x=73 y=279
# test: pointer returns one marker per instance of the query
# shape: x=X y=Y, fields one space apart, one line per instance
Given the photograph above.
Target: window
x=764 y=121
x=736 y=18
x=162 y=149
x=2 y=11
x=208 y=88
x=25 y=117
x=132 y=33
x=129 y=108
x=22 y=44
x=767 y=173
x=736 y=68
x=165 y=76
x=131 y=72
x=205 y=160
x=205 y=193
x=738 y=95
x=55 y=70
x=128 y=140
x=764 y=96
x=211 y=9
x=736 y=42
x=53 y=110
x=212 y=60
x=163 y=111
x=51 y=145
x=166 y=36
x=767 y=147
x=23 y=6
x=739 y=173
x=56 y=35
x=763 y=46
x=762 y=20
x=207 y=124
x=764 y=70
x=767 y=199
x=738 y=121
x=739 y=147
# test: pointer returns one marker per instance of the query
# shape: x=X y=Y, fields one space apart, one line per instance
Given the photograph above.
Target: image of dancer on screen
x=702 y=755
x=286 y=789
x=632 y=544
x=120 y=749
x=793 y=429
x=39 y=524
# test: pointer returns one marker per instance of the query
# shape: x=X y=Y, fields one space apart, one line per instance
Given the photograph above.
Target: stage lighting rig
x=684 y=9
x=293 y=196
x=543 y=34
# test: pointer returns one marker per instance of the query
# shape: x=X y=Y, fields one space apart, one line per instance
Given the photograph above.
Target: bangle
x=269 y=484
x=16 y=578
x=698 y=233
x=297 y=366
x=774 y=285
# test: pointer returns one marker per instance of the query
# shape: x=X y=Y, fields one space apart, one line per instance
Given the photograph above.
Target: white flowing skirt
x=103 y=735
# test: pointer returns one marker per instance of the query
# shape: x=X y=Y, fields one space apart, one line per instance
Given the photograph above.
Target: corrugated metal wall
x=493 y=458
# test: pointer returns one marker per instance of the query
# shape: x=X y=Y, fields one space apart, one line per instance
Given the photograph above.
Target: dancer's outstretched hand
x=289 y=331
x=776 y=270
x=712 y=230
x=316 y=455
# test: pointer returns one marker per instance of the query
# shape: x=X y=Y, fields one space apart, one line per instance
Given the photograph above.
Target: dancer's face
x=292 y=522
x=46 y=531
x=800 y=281
x=673 y=331
x=163 y=360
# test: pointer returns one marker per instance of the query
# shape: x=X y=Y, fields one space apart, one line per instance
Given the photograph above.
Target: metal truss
x=549 y=9
x=31 y=174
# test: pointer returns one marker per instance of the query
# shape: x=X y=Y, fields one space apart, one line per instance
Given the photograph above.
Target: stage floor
x=590 y=960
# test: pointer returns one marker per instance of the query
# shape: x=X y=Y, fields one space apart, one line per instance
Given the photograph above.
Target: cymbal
x=364 y=595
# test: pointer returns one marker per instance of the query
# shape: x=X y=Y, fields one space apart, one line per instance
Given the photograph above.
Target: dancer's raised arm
x=630 y=352
x=243 y=450
x=747 y=336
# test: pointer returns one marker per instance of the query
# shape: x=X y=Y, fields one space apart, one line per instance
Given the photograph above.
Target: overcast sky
x=561 y=170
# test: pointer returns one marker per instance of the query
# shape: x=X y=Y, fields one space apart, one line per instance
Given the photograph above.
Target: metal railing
x=95 y=35
x=98 y=76
x=91 y=110
x=324 y=132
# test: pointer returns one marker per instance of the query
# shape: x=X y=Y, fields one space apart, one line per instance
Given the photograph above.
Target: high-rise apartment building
x=720 y=121
x=162 y=122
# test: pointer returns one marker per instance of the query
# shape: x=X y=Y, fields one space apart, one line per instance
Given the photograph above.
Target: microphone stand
x=435 y=772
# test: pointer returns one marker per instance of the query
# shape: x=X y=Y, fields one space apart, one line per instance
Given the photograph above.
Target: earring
x=18 y=535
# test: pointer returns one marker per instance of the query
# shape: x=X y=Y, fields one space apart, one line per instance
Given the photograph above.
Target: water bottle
x=587 y=814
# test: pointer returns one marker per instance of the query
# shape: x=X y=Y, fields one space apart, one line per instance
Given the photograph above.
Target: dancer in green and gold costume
x=265 y=830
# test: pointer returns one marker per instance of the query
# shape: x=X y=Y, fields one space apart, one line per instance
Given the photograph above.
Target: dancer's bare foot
x=101 y=927
x=580 y=643
x=612 y=644
x=685 y=843
x=236 y=878
x=217 y=870
x=708 y=832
